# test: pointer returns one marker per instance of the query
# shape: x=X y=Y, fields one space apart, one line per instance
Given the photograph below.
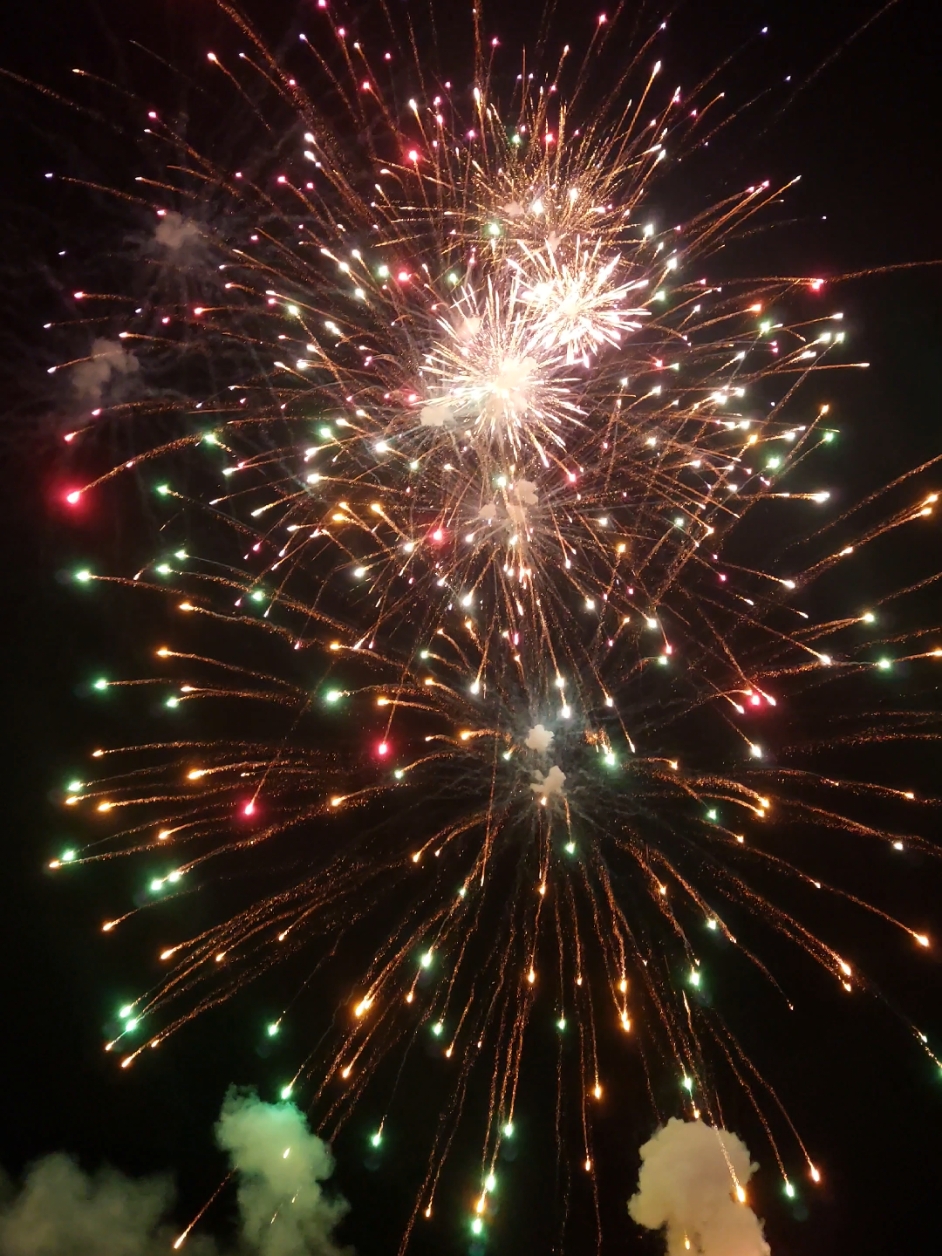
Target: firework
x=510 y=467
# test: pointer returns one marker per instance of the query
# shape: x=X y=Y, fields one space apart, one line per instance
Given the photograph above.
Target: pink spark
x=382 y=748
x=75 y=496
x=249 y=809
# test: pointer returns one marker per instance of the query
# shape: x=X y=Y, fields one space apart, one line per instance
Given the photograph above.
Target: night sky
x=862 y=134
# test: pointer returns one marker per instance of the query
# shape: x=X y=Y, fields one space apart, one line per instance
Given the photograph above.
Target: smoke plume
x=278 y=1164
x=688 y=1184
x=176 y=233
x=108 y=364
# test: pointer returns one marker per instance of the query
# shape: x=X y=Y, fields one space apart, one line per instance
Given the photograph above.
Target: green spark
x=100 y=683
x=83 y=576
x=274 y=1029
x=163 y=489
x=561 y=1024
x=67 y=856
x=377 y=1138
x=438 y=1029
x=285 y=1092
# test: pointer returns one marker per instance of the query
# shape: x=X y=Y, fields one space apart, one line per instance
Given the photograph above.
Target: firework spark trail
x=500 y=452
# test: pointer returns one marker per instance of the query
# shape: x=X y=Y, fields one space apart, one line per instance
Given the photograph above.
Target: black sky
x=862 y=133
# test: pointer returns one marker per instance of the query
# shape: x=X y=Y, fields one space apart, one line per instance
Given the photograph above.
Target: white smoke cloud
x=539 y=739
x=688 y=1188
x=437 y=413
x=550 y=785
x=280 y=1166
x=108 y=362
x=175 y=232
x=283 y=1209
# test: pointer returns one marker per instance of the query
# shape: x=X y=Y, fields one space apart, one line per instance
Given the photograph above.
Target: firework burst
x=514 y=466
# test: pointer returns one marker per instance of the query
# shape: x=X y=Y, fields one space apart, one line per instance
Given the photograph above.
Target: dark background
x=863 y=135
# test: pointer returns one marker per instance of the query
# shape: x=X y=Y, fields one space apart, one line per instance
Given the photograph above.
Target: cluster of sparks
x=496 y=471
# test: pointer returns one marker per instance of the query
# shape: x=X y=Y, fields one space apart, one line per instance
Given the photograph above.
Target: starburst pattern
x=524 y=479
